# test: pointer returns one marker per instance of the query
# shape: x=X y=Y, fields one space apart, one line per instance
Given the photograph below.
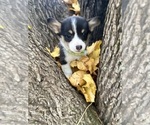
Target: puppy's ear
x=54 y=25
x=93 y=22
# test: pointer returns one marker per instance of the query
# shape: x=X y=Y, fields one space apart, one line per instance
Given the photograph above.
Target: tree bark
x=13 y=62
x=123 y=97
x=135 y=75
x=52 y=100
x=108 y=99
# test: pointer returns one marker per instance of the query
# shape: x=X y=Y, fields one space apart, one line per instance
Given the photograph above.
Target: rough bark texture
x=125 y=99
x=13 y=63
x=52 y=100
x=135 y=76
x=108 y=99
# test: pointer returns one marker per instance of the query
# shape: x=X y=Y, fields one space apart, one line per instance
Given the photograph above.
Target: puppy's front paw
x=67 y=70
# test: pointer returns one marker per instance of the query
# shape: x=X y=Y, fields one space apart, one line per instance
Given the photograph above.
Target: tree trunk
x=52 y=100
x=13 y=62
x=123 y=98
x=135 y=75
x=109 y=87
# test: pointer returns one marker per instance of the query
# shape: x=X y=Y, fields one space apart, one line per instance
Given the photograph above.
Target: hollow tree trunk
x=52 y=100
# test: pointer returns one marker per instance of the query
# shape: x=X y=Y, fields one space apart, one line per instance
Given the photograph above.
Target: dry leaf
x=73 y=64
x=76 y=78
x=95 y=54
x=94 y=47
x=89 y=88
x=81 y=66
x=29 y=27
x=90 y=65
x=76 y=7
x=84 y=59
x=1 y=27
x=56 y=52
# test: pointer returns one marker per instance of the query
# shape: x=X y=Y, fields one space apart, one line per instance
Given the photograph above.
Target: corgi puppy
x=73 y=33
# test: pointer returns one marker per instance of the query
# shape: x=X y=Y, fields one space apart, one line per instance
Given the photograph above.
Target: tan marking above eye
x=82 y=31
x=70 y=31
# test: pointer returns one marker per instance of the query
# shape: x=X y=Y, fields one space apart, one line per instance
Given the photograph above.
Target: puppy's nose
x=78 y=47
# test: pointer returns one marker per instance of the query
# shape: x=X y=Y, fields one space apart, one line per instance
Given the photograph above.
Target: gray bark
x=13 y=63
x=108 y=99
x=123 y=97
x=136 y=63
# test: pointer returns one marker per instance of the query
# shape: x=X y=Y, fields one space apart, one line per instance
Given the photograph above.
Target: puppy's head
x=73 y=31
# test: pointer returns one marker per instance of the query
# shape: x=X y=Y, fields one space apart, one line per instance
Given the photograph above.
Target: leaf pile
x=84 y=71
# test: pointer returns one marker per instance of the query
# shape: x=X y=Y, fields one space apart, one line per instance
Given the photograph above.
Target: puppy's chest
x=70 y=57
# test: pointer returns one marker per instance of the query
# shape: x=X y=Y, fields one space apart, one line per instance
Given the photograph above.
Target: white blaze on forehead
x=76 y=41
x=73 y=22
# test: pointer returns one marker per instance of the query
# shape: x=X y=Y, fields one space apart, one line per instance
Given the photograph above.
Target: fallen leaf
x=1 y=27
x=81 y=66
x=90 y=65
x=89 y=88
x=76 y=78
x=94 y=47
x=84 y=59
x=55 y=53
x=95 y=54
x=29 y=27
x=73 y=64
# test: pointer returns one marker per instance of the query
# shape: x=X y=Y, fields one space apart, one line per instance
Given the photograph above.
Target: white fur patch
x=67 y=70
x=76 y=41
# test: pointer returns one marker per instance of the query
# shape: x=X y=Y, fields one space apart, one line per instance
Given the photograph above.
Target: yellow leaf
x=95 y=54
x=90 y=65
x=70 y=1
x=76 y=6
x=94 y=47
x=73 y=64
x=84 y=59
x=76 y=78
x=56 y=52
x=29 y=27
x=96 y=61
x=1 y=27
x=81 y=66
x=89 y=88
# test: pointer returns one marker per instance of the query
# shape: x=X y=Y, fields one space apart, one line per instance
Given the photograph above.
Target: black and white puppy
x=73 y=34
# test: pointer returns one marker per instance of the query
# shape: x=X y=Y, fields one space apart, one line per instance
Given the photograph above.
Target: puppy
x=73 y=34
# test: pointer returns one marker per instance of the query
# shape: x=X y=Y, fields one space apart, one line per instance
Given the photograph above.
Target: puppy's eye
x=68 y=36
x=84 y=33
